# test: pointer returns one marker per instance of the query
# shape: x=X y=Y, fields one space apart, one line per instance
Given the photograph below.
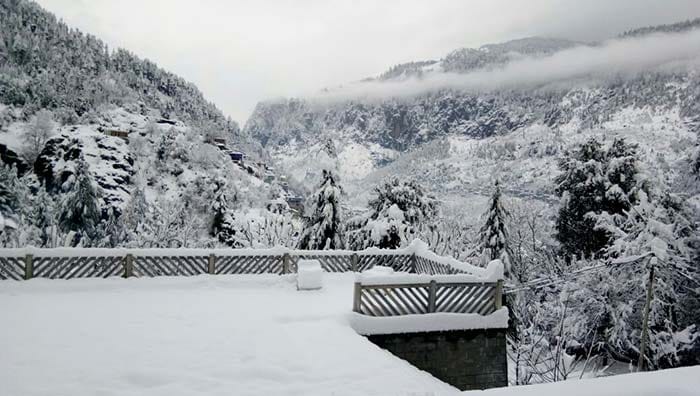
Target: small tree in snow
x=493 y=237
x=80 y=207
x=395 y=216
x=38 y=132
x=323 y=230
x=219 y=207
x=42 y=218
x=9 y=202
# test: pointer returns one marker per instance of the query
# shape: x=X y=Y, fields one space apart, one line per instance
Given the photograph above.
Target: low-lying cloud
x=619 y=58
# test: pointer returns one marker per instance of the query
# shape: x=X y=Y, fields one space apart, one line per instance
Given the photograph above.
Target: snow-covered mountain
x=66 y=100
x=458 y=138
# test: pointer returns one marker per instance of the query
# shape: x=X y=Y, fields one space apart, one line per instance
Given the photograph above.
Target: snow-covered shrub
x=395 y=215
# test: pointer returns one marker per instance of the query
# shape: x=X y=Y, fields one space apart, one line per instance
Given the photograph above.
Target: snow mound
x=309 y=275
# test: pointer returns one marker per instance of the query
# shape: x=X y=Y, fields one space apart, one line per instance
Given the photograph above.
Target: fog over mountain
x=616 y=58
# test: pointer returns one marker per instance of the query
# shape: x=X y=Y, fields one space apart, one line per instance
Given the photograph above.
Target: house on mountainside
x=296 y=204
x=236 y=156
x=117 y=133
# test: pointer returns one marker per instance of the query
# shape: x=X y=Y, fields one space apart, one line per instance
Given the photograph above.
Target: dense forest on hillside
x=44 y=64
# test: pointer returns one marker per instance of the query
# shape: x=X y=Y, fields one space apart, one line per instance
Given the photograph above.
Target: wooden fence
x=103 y=263
x=429 y=297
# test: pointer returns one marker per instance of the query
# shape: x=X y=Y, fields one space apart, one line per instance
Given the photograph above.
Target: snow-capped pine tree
x=9 y=201
x=135 y=212
x=396 y=213
x=593 y=180
x=80 y=211
x=220 y=207
x=493 y=236
x=42 y=218
x=324 y=228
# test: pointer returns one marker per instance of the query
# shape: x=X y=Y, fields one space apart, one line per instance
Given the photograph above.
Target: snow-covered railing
x=66 y=263
x=381 y=292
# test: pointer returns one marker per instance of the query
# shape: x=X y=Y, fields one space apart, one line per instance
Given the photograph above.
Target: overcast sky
x=239 y=52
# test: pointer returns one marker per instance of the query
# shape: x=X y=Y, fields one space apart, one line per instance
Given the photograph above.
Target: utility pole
x=647 y=307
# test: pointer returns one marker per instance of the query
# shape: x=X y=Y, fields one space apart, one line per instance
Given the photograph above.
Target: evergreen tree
x=43 y=219
x=323 y=230
x=9 y=200
x=494 y=236
x=593 y=180
x=220 y=207
x=112 y=231
x=80 y=206
x=136 y=210
x=396 y=213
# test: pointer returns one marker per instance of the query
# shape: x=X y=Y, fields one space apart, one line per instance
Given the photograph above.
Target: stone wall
x=466 y=359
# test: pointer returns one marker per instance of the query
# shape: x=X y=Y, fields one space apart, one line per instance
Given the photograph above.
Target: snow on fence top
x=64 y=263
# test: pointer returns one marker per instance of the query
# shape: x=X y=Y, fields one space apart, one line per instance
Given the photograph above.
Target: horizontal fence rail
x=431 y=297
x=103 y=263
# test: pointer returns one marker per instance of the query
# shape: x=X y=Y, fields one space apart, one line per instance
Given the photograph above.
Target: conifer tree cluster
x=593 y=180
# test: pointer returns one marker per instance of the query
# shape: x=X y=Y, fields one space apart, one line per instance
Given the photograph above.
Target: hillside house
x=296 y=204
x=236 y=156
x=116 y=133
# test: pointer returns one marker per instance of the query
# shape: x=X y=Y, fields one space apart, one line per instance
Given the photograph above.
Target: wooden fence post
x=285 y=263
x=432 y=294
x=499 y=294
x=28 y=267
x=354 y=260
x=356 y=302
x=129 y=265
x=211 y=264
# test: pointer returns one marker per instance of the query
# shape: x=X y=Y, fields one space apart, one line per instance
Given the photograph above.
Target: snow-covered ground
x=675 y=382
x=223 y=335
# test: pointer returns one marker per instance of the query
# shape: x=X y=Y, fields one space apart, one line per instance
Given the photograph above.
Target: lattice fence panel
x=399 y=262
x=340 y=263
x=78 y=267
x=466 y=298
x=249 y=264
x=170 y=265
x=430 y=267
x=393 y=300
x=12 y=268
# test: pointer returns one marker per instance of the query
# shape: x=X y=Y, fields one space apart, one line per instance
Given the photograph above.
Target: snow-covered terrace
x=221 y=335
x=209 y=335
